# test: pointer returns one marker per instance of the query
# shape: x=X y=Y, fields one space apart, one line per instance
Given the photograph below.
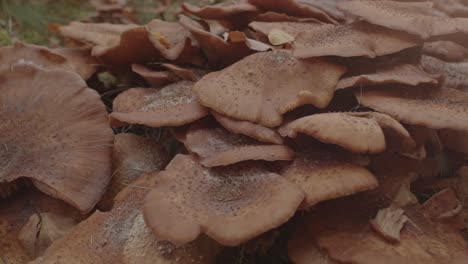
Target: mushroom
x=263 y=86
x=423 y=106
x=155 y=78
x=230 y=204
x=221 y=10
x=326 y=175
x=388 y=223
x=172 y=105
x=121 y=236
x=350 y=40
x=292 y=28
x=217 y=147
x=454 y=73
x=68 y=155
x=442 y=205
x=445 y=50
x=412 y=17
x=132 y=156
x=453 y=8
x=258 y=132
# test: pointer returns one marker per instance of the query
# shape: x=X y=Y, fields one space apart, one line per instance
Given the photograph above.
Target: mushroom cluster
x=335 y=131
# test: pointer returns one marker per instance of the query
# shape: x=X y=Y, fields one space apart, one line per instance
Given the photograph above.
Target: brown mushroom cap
x=350 y=40
x=455 y=73
x=132 y=156
x=258 y=132
x=326 y=175
x=54 y=131
x=81 y=60
x=217 y=147
x=453 y=8
x=424 y=106
x=263 y=86
x=445 y=50
x=412 y=17
x=394 y=73
x=359 y=134
x=220 y=10
x=172 y=105
x=442 y=205
x=121 y=236
x=155 y=78
x=230 y=204
x=301 y=8
x=291 y=27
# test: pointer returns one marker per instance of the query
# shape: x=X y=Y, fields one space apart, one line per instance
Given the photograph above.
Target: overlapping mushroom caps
x=54 y=132
x=445 y=50
x=454 y=73
x=230 y=204
x=263 y=86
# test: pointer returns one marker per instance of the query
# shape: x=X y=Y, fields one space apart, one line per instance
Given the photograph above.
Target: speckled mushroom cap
x=293 y=28
x=217 y=147
x=230 y=204
x=349 y=40
x=412 y=17
x=445 y=50
x=454 y=73
x=394 y=73
x=326 y=175
x=453 y=8
x=121 y=236
x=301 y=8
x=172 y=105
x=424 y=106
x=68 y=155
x=220 y=10
x=263 y=86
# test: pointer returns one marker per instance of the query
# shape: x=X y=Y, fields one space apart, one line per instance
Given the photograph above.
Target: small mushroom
x=388 y=223
x=445 y=50
x=454 y=73
x=229 y=204
x=442 y=205
x=172 y=105
x=217 y=147
x=68 y=155
x=263 y=86
x=412 y=17
x=351 y=40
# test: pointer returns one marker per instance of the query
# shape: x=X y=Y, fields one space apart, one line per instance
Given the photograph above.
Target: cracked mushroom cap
x=230 y=204
x=424 y=106
x=359 y=132
x=255 y=131
x=455 y=74
x=263 y=86
x=217 y=147
x=394 y=73
x=132 y=156
x=121 y=236
x=172 y=105
x=412 y=17
x=326 y=175
x=300 y=8
x=220 y=10
x=350 y=40
x=445 y=50
x=54 y=132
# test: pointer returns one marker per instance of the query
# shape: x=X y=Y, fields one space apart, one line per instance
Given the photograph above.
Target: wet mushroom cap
x=172 y=105
x=230 y=204
x=263 y=86
x=68 y=155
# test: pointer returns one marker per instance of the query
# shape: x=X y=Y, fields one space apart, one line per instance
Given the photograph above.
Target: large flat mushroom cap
x=217 y=147
x=413 y=17
x=172 y=105
x=351 y=40
x=54 y=131
x=263 y=86
x=325 y=175
x=424 y=106
x=230 y=204
x=356 y=134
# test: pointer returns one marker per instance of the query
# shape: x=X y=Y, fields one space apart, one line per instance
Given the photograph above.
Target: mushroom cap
x=445 y=50
x=258 y=132
x=412 y=17
x=217 y=147
x=388 y=223
x=54 y=131
x=132 y=156
x=121 y=236
x=357 y=134
x=453 y=8
x=326 y=175
x=300 y=8
x=172 y=105
x=455 y=74
x=293 y=28
x=155 y=78
x=394 y=73
x=229 y=204
x=442 y=205
x=81 y=60
x=189 y=74
x=220 y=10
x=351 y=40
x=424 y=106
x=263 y=86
